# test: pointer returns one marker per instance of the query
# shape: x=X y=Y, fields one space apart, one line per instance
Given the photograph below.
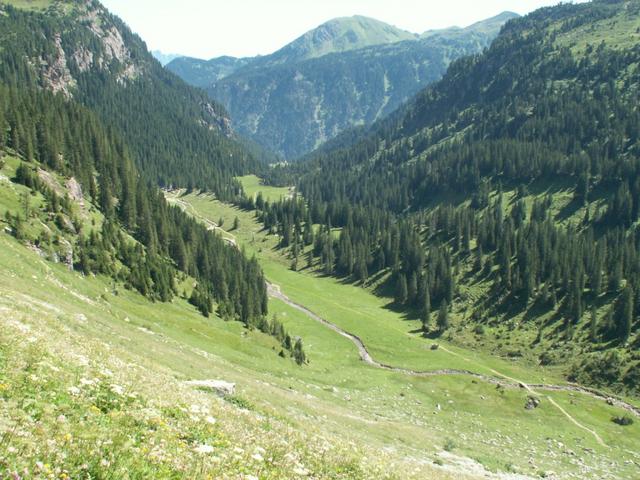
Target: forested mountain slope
x=510 y=189
x=77 y=48
x=344 y=73
x=80 y=101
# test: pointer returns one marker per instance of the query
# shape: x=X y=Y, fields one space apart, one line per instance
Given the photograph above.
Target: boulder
x=532 y=402
x=217 y=386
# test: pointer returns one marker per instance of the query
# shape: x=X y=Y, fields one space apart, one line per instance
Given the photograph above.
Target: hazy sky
x=210 y=28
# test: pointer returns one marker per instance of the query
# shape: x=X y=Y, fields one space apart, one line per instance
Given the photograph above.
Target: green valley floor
x=94 y=383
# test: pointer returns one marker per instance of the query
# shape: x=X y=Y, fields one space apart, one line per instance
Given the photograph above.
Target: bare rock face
x=83 y=57
x=115 y=55
x=75 y=191
x=217 y=122
x=56 y=74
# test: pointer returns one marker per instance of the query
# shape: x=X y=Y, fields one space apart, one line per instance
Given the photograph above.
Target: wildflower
x=117 y=389
x=95 y=410
x=67 y=437
x=299 y=470
x=210 y=420
x=75 y=391
x=257 y=457
x=3 y=386
x=204 y=449
x=105 y=463
x=61 y=419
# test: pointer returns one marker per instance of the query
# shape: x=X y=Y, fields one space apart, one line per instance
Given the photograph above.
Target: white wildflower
x=210 y=420
x=257 y=457
x=75 y=391
x=203 y=449
x=117 y=389
x=299 y=470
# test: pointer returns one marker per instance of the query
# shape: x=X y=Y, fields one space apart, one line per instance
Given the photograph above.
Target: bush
x=624 y=420
x=449 y=445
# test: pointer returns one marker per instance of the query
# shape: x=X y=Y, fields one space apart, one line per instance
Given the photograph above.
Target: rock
x=217 y=386
x=532 y=402
x=610 y=401
x=435 y=346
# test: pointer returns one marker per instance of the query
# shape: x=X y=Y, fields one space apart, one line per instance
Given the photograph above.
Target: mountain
x=501 y=204
x=202 y=73
x=346 y=72
x=177 y=135
x=85 y=106
x=165 y=58
x=337 y=36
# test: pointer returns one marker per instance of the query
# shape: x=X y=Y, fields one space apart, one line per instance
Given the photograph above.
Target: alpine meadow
x=370 y=254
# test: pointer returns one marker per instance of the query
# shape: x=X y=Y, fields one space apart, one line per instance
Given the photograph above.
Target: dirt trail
x=498 y=379
x=211 y=226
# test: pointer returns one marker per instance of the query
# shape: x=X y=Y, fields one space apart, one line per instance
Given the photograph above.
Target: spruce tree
x=401 y=289
x=426 y=311
x=443 y=317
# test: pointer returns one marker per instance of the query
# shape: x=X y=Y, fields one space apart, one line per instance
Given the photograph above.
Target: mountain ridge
x=291 y=101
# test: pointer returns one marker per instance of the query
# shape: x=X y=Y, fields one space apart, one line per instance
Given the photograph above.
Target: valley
x=370 y=254
x=396 y=341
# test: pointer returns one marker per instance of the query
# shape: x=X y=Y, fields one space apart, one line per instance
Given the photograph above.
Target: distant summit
x=165 y=58
x=347 y=72
x=340 y=35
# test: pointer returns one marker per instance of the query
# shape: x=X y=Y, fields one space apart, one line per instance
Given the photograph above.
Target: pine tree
x=401 y=289
x=443 y=317
x=298 y=352
x=426 y=311
x=625 y=315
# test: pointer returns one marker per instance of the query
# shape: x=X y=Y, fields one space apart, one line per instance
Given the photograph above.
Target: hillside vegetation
x=505 y=195
x=174 y=133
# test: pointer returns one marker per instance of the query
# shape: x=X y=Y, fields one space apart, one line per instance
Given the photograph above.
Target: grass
x=621 y=31
x=30 y=4
x=487 y=420
x=334 y=418
x=252 y=185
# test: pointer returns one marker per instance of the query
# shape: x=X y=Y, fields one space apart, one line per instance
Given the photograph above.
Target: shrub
x=624 y=420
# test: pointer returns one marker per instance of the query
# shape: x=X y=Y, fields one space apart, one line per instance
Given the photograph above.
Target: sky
x=211 y=28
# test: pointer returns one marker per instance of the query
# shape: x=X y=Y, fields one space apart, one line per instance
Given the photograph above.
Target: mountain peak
x=340 y=35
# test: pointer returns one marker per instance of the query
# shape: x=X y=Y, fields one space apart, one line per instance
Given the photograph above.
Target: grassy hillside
x=93 y=381
x=471 y=410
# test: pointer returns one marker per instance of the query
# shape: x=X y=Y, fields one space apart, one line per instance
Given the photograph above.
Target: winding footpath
x=498 y=379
